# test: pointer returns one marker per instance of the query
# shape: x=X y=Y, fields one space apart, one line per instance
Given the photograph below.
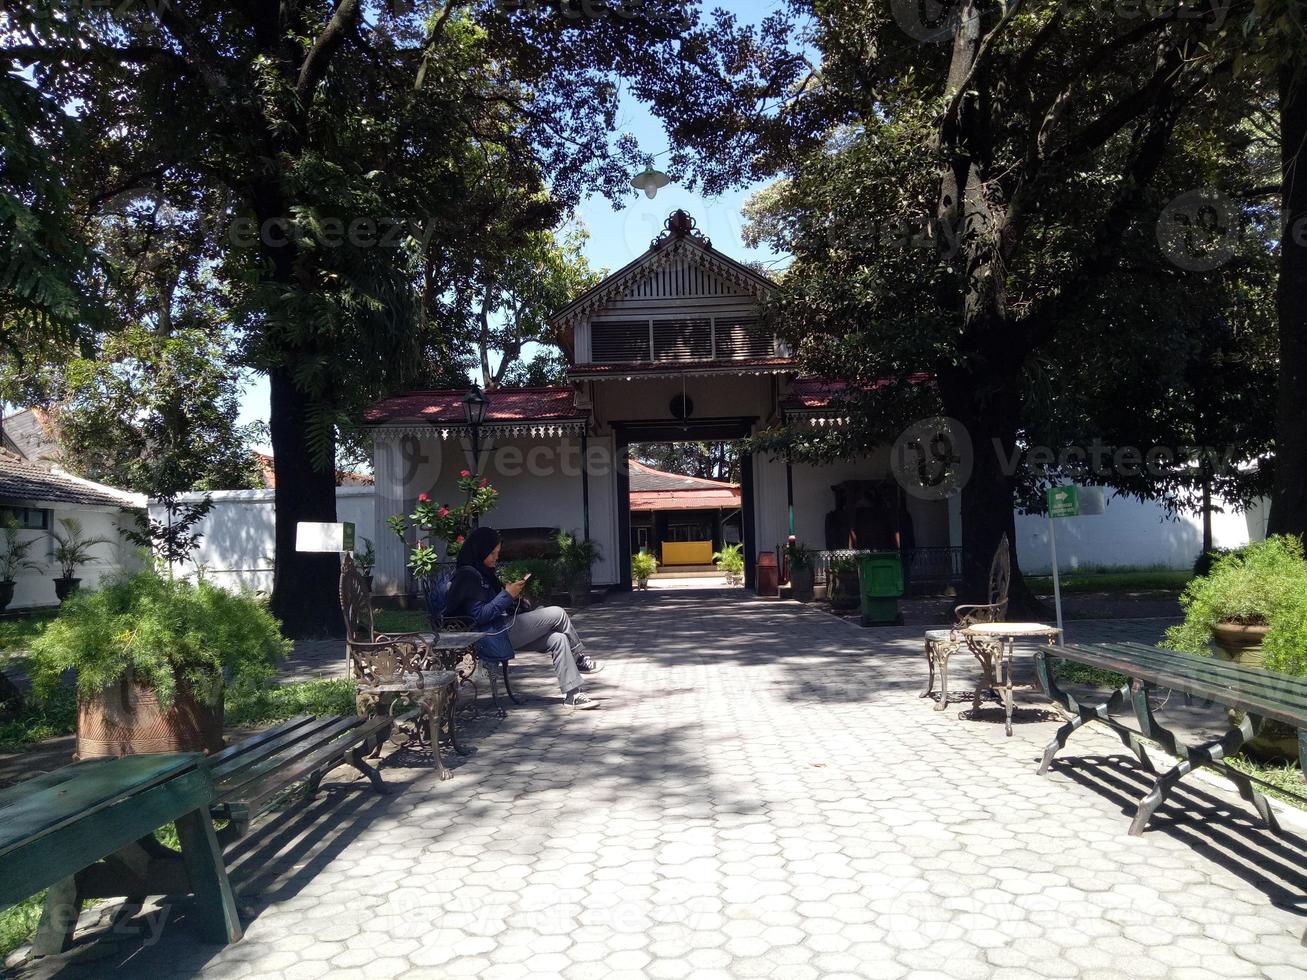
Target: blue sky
x=618 y=236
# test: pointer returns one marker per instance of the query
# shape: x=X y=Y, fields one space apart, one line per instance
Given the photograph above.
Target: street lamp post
x=475 y=406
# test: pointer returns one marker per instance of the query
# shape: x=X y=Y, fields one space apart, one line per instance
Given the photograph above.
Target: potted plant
x=643 y=566
x=13 y=560
x=576 y=558
x=1251 y=609
x=71 y=552
x=800 y=560
x=731 y=562
x=366 y=560
x=844 y=583
x=152 y=658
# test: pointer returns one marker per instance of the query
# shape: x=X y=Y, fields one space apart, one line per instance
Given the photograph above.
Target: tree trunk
x=1289 y=496
x=305 y=590
x=988 y=497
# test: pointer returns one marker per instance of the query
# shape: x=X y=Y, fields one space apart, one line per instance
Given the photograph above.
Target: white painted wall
x=1131 y=533
x=239 y=533
x=539 y=484
x=34 y=589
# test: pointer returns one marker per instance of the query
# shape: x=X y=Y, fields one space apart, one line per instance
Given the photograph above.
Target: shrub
x=643 y=565
x=730 y=559
x=161 y=632
x=1264 y=584
x=249 y=704
x=576 y=557
x=544 y=576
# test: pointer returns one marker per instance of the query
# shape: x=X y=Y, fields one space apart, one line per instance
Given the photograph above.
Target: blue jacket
x=490 y=611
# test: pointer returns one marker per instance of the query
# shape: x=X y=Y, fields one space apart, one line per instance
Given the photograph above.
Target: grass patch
x=264 y=705
x=401 y=621
x=1283 y=780
x=39 y=720
x=1077 y=673
x=17 y=634
x=18 y=923
x=1149 y=580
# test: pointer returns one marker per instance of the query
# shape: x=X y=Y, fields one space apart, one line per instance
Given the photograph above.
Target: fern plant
x=14 y=557
x=159 y=633
x=730 y=559
x=71 y=550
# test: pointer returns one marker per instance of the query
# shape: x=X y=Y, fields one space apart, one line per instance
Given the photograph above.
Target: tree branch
x=328 y=43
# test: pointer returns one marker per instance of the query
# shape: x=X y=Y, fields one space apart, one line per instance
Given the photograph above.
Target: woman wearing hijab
x=475 y=592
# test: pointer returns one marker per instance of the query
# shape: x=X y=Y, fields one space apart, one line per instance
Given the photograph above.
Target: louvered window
x=619 y=341
x=739 y=337
x=682 y=339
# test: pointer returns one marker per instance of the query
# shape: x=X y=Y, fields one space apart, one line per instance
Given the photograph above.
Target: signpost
x=1069 y=501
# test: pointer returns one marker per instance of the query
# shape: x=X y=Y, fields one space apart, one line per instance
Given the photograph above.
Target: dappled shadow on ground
x=1225 y=830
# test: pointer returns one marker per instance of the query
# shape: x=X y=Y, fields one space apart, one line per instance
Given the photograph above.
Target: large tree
x=327 y=146
x=978 y=180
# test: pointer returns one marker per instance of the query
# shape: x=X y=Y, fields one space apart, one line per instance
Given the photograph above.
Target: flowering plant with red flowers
x=433 y=524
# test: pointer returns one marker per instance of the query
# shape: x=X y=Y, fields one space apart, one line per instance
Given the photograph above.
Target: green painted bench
x=252 y=775
x=57 y=828
x=1253 y=694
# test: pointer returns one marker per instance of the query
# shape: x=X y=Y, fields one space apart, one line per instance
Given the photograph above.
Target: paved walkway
x=763 y=794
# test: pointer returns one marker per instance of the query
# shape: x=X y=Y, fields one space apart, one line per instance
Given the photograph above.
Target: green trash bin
x=880 y=580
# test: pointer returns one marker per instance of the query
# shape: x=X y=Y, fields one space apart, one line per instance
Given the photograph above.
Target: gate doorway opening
x=688 y=504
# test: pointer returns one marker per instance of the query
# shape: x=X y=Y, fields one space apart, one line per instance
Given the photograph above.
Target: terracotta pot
x=64 y=587
x=1239 y=643
x=126 y=719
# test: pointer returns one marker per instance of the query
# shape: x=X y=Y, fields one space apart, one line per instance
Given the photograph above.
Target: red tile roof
x=814 y=394
x=506 y=405
x=653 y=489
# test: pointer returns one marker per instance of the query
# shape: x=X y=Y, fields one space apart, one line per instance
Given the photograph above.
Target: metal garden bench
x=1253 y=696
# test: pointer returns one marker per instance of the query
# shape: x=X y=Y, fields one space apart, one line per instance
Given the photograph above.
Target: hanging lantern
x=649 y=181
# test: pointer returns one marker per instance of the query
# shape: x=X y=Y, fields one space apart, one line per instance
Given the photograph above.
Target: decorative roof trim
x=670 y=245
x=503 y=430
x=672 y=370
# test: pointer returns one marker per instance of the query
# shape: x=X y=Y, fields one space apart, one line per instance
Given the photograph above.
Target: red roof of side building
x=507 y=405
x=653 y=489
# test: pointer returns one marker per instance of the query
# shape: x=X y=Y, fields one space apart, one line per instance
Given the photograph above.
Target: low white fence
x=239 y=533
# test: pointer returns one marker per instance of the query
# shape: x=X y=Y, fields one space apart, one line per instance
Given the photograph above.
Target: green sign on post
x=1063 y=502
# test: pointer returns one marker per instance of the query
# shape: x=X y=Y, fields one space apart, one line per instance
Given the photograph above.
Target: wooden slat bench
x=1257 y=694
x=73 y=831
x=250 y=776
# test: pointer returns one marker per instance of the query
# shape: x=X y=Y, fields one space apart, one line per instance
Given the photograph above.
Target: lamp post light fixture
x=649 y=181
x=475 y=407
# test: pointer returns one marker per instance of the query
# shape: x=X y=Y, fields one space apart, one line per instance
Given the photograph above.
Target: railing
x=921 y=566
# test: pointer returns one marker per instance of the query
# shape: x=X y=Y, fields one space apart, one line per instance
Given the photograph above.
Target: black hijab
x=474 y=552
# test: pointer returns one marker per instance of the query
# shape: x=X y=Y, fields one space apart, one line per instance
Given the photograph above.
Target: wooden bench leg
x=63 y=904
x=219 y=921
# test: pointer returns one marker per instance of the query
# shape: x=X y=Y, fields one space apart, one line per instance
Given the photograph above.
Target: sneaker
x=587 y=664
x=581 y=702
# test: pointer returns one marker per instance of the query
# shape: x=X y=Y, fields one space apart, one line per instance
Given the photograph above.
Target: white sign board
x=324 y=537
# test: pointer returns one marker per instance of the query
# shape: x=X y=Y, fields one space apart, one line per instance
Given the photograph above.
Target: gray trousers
x=549 y=628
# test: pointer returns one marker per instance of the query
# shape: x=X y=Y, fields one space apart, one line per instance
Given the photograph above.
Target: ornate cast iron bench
x=79 y=831
x=941 y=644
x=1253 y=696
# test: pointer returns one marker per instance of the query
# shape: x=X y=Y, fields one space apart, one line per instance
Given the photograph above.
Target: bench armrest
x=970 y=615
